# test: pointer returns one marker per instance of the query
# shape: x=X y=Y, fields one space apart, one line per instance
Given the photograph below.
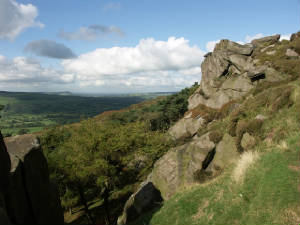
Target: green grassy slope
x=263 y=187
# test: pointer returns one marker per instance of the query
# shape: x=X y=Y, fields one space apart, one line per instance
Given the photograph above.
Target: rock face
x=177 y=167
x=265 y=41
x=29 y=198
x=229 y=72
x=145 y=198
x=186 y=127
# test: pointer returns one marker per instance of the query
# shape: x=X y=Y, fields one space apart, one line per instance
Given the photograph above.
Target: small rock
x=260 y=117
x=291 y=53
x=248 y=141
x=271 y=52
x=266 y=48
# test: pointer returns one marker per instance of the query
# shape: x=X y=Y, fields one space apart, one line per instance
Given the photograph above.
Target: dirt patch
x=291 y=217
x=201 y=209
x=295 y=168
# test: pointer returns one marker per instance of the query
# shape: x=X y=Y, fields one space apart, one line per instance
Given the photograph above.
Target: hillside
x=26 y=112
x=225 y=151
x=237 y=157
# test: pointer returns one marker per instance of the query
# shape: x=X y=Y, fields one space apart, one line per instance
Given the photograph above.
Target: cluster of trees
x=100 y=157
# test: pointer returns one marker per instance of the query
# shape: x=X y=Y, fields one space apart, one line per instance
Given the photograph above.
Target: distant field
x=31 y=112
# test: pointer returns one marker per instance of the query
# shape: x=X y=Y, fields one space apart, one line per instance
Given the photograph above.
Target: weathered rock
x=257 y=72
x=18 y=204
x=4 y=181
x=4 y=220
x=29 y=165
x=226 y=153
x=294 y=36
x=265 y=41
x=260 y=117
x=234 y=47
x=145 y=198
x=248 y=141
x=291 y=53
x=176 y=168
x=4 y=166
x=186 y=127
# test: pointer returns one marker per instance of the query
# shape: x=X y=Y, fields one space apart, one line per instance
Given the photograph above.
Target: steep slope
x=246 y=105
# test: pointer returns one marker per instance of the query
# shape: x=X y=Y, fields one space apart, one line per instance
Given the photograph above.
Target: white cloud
x=211 y=45
x=15 y=17
x=149 y=55
x=285 y=37
x=29 y=71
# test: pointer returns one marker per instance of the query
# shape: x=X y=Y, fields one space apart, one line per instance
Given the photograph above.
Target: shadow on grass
x=98 y=212
x=145 y=218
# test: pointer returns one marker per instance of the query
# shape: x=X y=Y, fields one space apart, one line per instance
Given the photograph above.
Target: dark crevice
x=258 y=77
x=210 y=156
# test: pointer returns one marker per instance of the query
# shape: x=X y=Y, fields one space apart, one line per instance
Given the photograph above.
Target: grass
x=263 y=186
x=268 y=195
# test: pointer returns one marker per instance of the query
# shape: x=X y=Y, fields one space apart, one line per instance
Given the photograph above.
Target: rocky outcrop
x=145 y=198
x=186 y=127
x=29 y=198
x=230 y=71
x=265 y=41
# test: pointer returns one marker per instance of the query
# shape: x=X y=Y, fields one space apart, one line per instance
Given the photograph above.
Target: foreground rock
x=30 y=198
x=145 y=198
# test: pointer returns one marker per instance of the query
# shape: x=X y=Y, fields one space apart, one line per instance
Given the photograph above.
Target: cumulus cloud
x=91 y=32
x=149 y=55
x=49 y=49
x=285 y=37
x=29 y=71
x=16 y=17
x=112 y=6
x=211 y=45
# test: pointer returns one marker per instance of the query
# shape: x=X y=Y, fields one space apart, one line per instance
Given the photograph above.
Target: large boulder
x=30 y=197
x=4 y=182
x=265 y=41
x=144 y=199
x=233 y=47
x=177 y=167
x=186 y=127
x=226 y=153
x=4 y=166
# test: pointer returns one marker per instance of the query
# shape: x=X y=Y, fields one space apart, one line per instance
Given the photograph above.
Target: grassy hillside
x=266 y=192
x=263 y=186
x=30 y=112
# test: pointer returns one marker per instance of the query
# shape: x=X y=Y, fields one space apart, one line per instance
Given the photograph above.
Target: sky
x=126 y=46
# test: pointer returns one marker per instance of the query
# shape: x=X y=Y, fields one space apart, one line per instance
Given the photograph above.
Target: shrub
x=237 y=114
x=282 y=100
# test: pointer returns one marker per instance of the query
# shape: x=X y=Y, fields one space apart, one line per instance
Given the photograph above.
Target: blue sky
x=125 y=46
